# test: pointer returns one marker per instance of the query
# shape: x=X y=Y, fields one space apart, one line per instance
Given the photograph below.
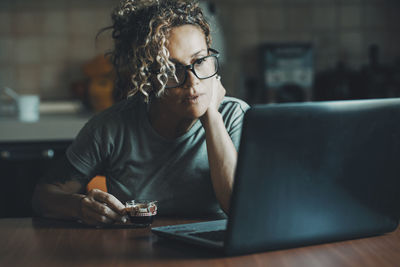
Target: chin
x=196 y=112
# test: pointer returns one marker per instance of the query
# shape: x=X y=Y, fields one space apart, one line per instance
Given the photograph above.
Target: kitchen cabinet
x=22 y=164
x=27 y=150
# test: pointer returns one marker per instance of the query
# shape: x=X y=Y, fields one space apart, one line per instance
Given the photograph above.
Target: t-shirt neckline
x=149 y=128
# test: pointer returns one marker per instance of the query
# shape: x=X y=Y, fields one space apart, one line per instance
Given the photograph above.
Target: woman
x=173 y=139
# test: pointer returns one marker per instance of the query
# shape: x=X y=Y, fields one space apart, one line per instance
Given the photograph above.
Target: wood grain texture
x=40 y=242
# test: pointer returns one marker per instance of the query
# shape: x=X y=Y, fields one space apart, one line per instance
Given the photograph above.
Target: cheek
x=173 y=96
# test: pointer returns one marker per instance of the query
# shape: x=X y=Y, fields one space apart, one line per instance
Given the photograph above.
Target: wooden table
x=40 y=242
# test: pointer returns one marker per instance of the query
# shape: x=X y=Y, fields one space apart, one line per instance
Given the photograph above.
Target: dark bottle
x=335 y=84
x=375 y=77
x=395 y=79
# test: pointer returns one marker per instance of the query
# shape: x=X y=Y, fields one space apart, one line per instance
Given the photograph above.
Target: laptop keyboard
x=218 y=235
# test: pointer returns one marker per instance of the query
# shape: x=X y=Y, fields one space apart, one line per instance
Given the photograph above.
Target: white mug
x=28 y=108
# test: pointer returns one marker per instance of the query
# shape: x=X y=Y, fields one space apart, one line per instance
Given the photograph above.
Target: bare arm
x=58 y=200
x=65 y=198
x=222 y=154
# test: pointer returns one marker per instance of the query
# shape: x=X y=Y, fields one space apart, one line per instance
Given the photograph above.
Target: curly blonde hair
x=140 y=31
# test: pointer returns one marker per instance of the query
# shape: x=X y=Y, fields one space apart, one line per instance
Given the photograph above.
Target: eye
x=200 y=61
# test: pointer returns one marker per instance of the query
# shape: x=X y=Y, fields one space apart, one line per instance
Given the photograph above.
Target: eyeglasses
x=203 y=68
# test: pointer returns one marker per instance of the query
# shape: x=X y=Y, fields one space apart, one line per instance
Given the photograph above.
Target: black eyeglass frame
x=191 y=68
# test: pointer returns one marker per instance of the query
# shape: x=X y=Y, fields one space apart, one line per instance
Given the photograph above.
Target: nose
x=191 y=79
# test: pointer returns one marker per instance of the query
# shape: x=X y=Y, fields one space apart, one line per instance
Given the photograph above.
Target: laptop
x=308 y=173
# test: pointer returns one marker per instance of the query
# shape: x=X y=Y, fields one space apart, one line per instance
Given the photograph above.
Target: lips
x=192 y=99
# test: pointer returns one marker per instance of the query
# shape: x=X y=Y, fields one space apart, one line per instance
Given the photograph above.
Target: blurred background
x=271 y=51
x=351 y=48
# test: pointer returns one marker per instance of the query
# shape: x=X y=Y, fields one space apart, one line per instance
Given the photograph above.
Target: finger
x=109 y=199
x=219 y=92
x=101 y=209
x=89 y=221
x=93 y=218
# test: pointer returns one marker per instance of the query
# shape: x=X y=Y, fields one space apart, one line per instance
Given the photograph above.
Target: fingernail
x=124 y=219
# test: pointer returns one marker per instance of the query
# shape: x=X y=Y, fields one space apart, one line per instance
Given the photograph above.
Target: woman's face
x=187 y=43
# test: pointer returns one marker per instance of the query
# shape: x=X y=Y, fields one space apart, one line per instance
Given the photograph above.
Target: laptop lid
x=315 y=172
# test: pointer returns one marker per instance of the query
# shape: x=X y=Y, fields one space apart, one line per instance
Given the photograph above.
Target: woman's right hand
x=100 y=208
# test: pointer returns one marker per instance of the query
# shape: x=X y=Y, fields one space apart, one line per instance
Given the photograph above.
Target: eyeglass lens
x=203 y=68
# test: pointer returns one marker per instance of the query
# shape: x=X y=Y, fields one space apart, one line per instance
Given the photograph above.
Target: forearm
x=54 y=201
x=59 y=192
x=222 y=157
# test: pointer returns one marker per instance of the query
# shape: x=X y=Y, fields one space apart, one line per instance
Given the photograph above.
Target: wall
x=44 y=43
x=338 y=29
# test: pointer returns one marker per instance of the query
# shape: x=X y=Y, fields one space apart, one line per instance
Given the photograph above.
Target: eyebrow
x=192 y=56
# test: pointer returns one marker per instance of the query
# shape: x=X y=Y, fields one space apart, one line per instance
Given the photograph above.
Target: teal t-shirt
x=138 y=163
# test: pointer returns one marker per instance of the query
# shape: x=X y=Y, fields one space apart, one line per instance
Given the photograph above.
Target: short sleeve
x=86 y=153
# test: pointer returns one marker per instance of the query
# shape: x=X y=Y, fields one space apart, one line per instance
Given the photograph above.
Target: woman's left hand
x=218 y=93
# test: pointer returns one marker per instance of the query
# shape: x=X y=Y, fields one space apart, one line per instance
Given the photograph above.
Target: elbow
x=225 y=205
x=38 y=201
x=226 y=210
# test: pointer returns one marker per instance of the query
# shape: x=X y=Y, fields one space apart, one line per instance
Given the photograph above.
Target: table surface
x=41 y=242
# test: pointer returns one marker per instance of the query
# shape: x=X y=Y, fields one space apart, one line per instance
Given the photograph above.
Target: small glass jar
x=141 y=212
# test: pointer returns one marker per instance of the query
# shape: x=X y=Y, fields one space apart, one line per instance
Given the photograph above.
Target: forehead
x=185 y=41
